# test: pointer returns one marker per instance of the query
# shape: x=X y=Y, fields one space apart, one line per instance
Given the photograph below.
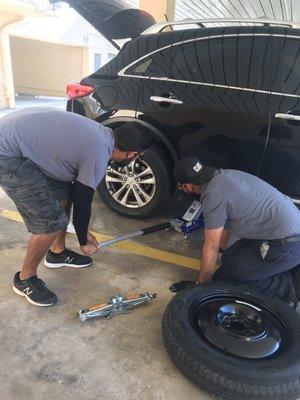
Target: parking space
x=50 y=353
x=178 y=117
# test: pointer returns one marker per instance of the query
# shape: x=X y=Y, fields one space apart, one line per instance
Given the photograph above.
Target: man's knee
x=223 y=274
x=49 y=235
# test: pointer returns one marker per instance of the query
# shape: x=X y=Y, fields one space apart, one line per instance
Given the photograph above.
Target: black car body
x=229 y=95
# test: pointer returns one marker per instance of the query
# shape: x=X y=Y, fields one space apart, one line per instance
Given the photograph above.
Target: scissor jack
x=191 y=221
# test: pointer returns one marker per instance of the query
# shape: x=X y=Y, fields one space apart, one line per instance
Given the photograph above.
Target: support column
x=159 y=9
x=7 y=95
x=3 y=99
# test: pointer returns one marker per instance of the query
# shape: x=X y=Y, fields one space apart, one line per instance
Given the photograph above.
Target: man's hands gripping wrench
x=91 y=246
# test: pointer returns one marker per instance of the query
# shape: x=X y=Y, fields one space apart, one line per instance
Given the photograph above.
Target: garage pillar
x=159 y=9
x=3 y=98
x=7 y=95
x=12 y=12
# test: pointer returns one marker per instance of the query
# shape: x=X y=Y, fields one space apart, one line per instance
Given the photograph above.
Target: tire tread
x=224 y=386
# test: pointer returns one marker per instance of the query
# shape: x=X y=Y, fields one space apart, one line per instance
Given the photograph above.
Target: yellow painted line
x=129 y=245
x=12 y=215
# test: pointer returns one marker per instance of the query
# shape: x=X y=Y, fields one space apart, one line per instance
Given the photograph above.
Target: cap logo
x=197 y=167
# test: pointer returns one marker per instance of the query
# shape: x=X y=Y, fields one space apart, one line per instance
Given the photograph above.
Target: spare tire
x=234 y=341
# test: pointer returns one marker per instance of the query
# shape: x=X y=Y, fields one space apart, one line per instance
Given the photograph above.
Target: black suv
x=229 y=94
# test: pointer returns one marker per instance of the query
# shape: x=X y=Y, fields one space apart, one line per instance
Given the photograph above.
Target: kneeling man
x=267 y=223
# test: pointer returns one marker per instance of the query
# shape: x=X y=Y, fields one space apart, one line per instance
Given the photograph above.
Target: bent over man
x=50 y=159
x=266 y=222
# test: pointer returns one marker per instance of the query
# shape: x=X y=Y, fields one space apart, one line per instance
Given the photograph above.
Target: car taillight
x=75 y=90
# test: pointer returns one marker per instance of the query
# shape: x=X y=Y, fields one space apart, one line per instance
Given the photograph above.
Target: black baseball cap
x=191 y=170
x=132 y=137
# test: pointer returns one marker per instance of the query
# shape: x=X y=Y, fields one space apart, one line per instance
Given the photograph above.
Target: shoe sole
x=17 y=291
x=53 y=265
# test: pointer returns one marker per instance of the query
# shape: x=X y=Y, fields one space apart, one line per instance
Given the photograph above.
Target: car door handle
x=160 y=99
x=287 y=116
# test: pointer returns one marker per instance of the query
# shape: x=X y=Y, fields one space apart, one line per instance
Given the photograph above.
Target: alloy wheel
x=133 y=186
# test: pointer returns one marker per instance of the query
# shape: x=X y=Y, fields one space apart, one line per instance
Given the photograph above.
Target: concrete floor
x=23 y=101
x=49 y=354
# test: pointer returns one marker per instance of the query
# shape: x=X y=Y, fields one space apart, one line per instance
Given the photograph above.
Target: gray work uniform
x=44 y=150
x=260 y=216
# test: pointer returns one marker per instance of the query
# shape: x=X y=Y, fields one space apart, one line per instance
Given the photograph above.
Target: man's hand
x=92 y=238
x=91 y=247
x=177 y=286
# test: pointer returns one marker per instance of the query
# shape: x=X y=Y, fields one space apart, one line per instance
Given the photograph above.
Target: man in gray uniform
x=244 y=206
x=50 y=159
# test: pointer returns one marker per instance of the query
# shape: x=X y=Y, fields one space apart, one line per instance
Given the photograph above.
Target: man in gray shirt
x=243 y=206
x=49 y=160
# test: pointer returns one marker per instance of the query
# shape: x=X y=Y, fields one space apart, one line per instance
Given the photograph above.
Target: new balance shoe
x=67 y=258
x=34 y=290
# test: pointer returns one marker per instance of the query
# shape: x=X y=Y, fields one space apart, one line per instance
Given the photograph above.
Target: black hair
x=132 y=137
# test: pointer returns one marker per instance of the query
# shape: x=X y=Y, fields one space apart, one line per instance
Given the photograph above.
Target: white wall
x=101 y=46
x=42 y=68
x=67 y=27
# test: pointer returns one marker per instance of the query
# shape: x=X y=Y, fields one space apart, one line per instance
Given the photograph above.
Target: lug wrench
x=141 y=232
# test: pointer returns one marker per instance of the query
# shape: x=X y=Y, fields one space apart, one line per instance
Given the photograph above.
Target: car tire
x=230 y=372
x=161 y=165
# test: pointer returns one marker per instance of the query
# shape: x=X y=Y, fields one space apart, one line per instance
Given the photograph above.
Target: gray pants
x=36 y=195
x=243 y=262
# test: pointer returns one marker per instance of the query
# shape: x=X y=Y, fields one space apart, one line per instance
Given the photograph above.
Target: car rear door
x=281 y=161
x=206 y=94
x=114 y=19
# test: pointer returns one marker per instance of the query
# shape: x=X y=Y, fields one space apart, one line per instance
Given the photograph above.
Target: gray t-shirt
x=248 y=207
x=66 y=146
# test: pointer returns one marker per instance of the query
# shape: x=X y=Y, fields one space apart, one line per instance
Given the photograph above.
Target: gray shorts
x=36 y=195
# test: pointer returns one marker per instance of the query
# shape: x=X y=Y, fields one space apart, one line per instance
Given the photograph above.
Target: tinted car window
x=247 y=62
x=270 y=79
x=156 y=65
x=291 y=66
x=237 y=61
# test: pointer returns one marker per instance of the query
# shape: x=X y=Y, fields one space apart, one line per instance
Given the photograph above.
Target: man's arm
x=82 y=201
x=224 y=239
x=210 y=250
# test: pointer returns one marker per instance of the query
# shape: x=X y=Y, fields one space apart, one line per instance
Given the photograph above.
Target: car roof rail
x=157 y=28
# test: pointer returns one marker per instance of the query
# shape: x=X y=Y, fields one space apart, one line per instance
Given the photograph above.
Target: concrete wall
x=42 y=68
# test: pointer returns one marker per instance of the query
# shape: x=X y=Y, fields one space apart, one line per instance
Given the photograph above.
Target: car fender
x=156 y=132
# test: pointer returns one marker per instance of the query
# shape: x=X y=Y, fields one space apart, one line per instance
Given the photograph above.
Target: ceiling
x=273 y=9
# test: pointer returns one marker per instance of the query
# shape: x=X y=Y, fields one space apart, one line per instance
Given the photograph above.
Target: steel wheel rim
x=133 y=186
x=238 y=327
